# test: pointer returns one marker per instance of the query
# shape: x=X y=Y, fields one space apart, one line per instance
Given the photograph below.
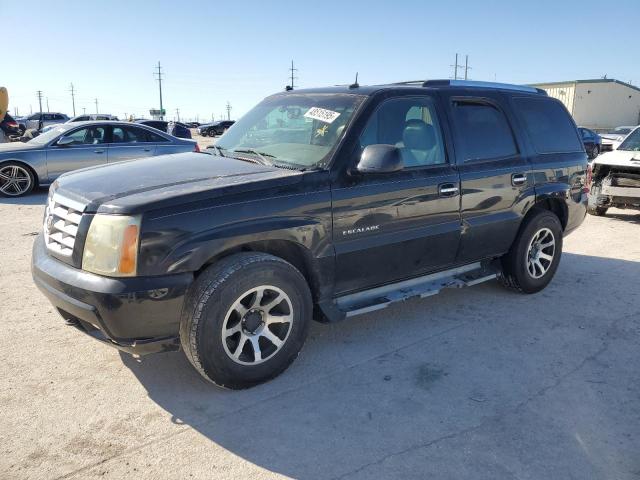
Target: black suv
x=215 y=128
x=319 y=204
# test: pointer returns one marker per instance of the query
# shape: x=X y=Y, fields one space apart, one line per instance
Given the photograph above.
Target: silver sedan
x=71 y=146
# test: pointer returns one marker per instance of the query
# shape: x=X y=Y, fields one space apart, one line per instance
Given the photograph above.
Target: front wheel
x=245 y=319
x=16 y=180
x=594 y=152
x=535 y=254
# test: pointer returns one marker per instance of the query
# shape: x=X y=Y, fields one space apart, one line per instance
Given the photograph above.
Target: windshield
x=619 y=131
x=632 y=142
x=292 y=130
x=49 y=135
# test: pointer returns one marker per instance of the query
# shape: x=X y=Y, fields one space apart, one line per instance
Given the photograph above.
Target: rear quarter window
x=548 y=125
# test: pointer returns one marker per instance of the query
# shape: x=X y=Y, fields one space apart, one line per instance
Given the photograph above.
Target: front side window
x=548 y=124
x=87 y=136
x=292 y=130
x=482 y=132
x=411 y=124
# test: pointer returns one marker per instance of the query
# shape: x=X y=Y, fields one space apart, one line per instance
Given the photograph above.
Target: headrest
x=417 y=135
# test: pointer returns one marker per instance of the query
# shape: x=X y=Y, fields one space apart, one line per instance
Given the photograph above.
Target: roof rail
x=477 y=84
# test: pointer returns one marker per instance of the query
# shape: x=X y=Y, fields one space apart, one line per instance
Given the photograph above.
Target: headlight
x=111 y=247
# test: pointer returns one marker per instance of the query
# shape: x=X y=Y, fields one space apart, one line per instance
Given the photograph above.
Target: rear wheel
x=535 y=254
x=15 y=180
x=594 y=152
x=597 y=211
x=245 y=319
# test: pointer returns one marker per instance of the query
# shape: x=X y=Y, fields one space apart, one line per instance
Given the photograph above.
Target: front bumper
x=138 y=315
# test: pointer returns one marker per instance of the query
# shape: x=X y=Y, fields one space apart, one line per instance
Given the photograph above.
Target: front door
x=128 y=142
x=494 y=171
x=389 y=227
x=88 y=149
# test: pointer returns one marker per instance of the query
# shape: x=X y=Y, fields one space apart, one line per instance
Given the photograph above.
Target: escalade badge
x=353 y=231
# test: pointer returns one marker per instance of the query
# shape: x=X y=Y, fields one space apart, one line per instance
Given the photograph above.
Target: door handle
x=147 y=149
x=448 y=190
x=518 y=179
x=99 y=151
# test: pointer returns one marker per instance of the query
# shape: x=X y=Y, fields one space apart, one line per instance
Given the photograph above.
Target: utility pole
x=293 y=77
x=84 y=110
x=159 y=78
x=96 y=101
x=466 y=66
x=39 y=93
x=455 y=68
x=229 y=108
x=47 y=104
x=73 y=100
x=178 y=114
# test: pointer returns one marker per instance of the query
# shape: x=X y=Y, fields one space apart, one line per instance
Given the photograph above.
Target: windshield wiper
x=217 y=149
x=261 y=155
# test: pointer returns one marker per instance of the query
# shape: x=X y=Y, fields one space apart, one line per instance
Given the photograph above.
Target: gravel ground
x=476 y=383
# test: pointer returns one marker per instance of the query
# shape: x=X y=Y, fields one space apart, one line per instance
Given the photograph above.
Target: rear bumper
x=138 y=315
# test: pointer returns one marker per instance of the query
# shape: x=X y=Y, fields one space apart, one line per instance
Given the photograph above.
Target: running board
x=425 y=286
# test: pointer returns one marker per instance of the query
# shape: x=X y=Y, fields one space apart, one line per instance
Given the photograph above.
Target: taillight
x=196 y=148
x=12 y=124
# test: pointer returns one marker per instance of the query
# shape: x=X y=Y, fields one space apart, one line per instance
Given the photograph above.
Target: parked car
x=215 y=128
x=592 y=142
x=41 y=120
x=192 y=124
x=320 y=204
x=71 y=146
x=85 y=118
x=180 y=131
x=10 y=127
x=614 y=179
x=613 y=138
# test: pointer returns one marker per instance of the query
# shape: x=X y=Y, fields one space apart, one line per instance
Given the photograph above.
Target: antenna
x=293 y=78
x=355 y=84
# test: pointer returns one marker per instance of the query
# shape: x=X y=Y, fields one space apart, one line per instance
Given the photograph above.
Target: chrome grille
x=61 y=221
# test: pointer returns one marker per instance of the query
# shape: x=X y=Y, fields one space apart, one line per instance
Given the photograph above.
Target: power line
x=73 y=99
x=159 y=78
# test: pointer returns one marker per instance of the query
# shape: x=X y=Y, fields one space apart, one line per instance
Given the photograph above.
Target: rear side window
x=483 y=132
x=548 y=124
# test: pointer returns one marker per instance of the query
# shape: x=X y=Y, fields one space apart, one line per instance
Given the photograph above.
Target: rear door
x=128 y=142
x=388 y=227
x=494 y=173
x=87 y=150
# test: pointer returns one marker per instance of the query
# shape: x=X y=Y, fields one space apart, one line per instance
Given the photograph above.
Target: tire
x=597 y=211
x=16 y=180
x=539 y=228
x=212 y=311
x=594 y=152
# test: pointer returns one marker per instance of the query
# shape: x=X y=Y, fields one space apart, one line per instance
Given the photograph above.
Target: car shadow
x=421 y=372
x=37 y=197
x=632 y=216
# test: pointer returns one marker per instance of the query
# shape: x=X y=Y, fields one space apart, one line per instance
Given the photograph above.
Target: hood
x=136 y=186
x=11 y=147
x=620 y=158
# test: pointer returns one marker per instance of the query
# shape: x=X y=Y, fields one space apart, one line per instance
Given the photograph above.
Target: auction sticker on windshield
x=317 y=113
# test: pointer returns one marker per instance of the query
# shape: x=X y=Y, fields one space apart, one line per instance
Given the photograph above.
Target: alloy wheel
x=14 y=180
x=257 y=325
x=540 y=253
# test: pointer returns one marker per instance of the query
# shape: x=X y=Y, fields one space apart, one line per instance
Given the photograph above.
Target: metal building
x=598 y=104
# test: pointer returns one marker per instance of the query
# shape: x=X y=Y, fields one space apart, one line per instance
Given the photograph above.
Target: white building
x=599 y=104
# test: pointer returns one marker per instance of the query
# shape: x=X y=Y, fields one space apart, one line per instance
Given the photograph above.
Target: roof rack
x=477 y=84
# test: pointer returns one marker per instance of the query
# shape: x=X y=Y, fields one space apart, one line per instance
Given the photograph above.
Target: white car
x=613 y=138
x=38 y=120
x=85 y=118
x=615 y=177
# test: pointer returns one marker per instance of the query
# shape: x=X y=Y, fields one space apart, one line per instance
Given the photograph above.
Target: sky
x=240 y=51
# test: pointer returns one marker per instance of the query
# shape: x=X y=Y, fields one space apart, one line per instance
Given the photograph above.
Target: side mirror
x=380 y=159
x=65 y=142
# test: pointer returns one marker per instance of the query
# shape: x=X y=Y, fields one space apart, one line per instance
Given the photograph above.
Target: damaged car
x=615 y=177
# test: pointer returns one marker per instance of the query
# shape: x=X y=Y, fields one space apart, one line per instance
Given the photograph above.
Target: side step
x=425 y=286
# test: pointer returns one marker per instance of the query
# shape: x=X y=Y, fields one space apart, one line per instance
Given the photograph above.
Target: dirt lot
x=479 y=383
